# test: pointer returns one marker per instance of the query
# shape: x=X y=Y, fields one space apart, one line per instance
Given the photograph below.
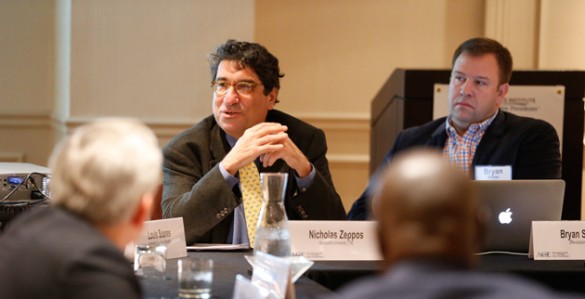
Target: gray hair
x=104 y=168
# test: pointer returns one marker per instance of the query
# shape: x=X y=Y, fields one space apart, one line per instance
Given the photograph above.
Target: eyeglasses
x=221 y=87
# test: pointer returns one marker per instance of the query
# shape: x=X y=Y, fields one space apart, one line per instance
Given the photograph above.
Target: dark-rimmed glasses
x=221 y=87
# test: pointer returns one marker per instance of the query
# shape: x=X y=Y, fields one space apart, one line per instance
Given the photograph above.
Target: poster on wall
x=536 y=101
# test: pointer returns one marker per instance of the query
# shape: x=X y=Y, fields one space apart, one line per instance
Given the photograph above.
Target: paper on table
x=210 y=247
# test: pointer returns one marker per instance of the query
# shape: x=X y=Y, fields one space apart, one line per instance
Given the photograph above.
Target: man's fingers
x=265 y=128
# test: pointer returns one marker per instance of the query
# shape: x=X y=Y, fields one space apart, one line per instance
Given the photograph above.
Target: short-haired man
x=103 y=180
x=202 y=164
x=477 y=132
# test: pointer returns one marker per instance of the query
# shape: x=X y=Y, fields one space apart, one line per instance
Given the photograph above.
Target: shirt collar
x=473 y=128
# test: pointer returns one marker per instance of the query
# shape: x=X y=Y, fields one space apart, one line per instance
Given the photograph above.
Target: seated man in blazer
x=477 y=132
x=201 y=165
x=430 y=226
x=104 y=178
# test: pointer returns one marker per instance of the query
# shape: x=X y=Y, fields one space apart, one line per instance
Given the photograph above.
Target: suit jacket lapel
x=490 y=140
x=439 y=136
x=218 y=146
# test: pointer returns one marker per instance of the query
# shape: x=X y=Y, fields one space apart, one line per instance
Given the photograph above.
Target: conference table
x=324 y=277
x=227 y=264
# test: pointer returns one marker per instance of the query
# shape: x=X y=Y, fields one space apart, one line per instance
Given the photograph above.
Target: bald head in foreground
x=104 y=177
x=430 y=224
x=426 y=208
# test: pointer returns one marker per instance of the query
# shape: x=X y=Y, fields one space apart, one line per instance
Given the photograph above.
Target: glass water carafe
x=272 y=234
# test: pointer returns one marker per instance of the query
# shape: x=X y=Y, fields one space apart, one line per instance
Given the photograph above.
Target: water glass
x=150 y=260
x=195 y=277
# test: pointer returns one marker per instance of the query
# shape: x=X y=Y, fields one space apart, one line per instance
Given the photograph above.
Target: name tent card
x=493 y=173
x=335 y=240
x=169 y=232
x=557 y=240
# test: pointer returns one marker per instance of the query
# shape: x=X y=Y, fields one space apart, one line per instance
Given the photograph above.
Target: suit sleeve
x=320 y=201
x=202 y=198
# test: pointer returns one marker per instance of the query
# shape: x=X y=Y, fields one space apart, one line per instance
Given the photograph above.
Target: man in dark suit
x=477 y=133
x=430 y=226
x=103 y=181
x=201 y=164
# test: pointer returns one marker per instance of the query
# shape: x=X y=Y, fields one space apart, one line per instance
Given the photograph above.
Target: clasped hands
x=270 y=142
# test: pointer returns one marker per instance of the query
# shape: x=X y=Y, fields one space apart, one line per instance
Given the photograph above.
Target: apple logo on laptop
x=505 y=217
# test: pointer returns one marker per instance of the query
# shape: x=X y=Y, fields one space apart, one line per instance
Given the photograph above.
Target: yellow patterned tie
x=252 y=194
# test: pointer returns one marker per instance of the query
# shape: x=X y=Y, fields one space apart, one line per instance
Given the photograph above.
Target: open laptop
x=513 y=205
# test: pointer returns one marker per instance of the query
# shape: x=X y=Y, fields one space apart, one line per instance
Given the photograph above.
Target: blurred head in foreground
x=107 y=173
x=426 y=209
x=103 y=180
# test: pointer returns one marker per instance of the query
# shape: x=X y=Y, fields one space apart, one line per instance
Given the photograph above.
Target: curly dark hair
x=480 y=46
x=252 y=55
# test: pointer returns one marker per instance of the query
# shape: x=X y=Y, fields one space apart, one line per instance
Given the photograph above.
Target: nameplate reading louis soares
x=169 y=232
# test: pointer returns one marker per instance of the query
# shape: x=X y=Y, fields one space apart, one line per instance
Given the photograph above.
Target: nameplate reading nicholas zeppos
x=169 y=232
x=557 y=240
x=334 y=240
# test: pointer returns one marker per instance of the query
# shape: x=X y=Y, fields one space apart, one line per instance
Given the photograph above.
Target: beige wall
x=27 y=57
x=27 y=79
x=562 y=41
x=336 y=54
x=65 y=62
x=148 y=58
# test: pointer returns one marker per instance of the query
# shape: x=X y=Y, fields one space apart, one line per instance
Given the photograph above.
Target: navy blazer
x=194 y=188
x=530 y=146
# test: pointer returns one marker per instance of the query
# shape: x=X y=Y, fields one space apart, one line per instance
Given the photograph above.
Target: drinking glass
x=150 y=260
x=195 y=277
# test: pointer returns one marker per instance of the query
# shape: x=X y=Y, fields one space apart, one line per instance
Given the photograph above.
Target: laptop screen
x=513 y=205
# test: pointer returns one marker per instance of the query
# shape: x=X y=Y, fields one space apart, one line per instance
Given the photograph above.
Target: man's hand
x=270 y=142
x=292 y=155
x=256 y=141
